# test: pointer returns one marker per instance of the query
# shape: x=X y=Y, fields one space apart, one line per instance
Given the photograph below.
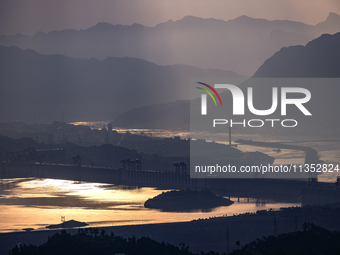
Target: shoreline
x=207 y=234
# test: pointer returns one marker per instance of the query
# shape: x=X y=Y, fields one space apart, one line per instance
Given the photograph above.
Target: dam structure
x=283 y=190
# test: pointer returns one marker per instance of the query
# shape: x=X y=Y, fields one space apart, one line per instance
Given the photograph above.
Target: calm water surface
x=37 y=203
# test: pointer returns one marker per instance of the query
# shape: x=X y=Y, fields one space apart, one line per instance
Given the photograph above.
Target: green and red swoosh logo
x=209 y=93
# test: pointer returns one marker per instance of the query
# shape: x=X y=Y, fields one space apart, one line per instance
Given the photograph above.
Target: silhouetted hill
x=9 y=144
x=319 y=58
x=105 y=155
x=87 y=89
x=91 y=241
x=312 y=240
x=240 y=45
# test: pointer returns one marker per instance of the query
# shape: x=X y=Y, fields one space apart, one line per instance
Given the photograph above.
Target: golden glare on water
x=147 y=132
x=37 y=203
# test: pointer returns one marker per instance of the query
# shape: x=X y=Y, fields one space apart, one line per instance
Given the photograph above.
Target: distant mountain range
x=45 y=87
x=240 y=45
x=320 y=58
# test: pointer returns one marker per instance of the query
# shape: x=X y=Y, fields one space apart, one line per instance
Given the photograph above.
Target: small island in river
x=186 y=201
x=69 y=224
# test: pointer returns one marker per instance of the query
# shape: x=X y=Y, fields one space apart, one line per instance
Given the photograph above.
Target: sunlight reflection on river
x=36 y=203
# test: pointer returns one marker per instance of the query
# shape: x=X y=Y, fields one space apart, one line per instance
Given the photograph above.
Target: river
x=37 y=203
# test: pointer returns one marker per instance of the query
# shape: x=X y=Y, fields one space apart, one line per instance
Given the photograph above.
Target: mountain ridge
x=292 y=61
x=240 y=45
x=45 y=85
x=320 y=58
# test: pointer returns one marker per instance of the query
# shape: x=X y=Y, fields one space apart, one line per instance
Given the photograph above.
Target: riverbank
x=209 y=234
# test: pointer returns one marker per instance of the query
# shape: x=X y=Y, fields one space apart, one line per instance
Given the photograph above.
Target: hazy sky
x=30 y=16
